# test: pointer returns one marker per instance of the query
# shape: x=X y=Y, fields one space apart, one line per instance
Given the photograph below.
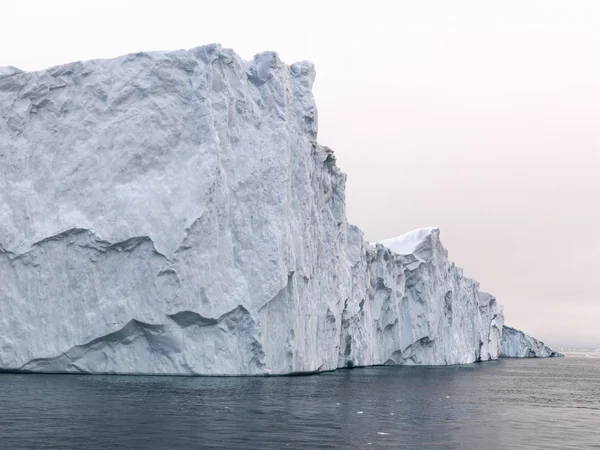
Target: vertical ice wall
x=172 y=212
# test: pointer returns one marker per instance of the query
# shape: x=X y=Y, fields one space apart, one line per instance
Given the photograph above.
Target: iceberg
x=516 y=344
x=173 y=213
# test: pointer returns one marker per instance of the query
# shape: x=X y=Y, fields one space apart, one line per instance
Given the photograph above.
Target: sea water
x=508 y=404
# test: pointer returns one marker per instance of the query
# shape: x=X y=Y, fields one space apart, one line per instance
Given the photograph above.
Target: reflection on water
x=549 y=403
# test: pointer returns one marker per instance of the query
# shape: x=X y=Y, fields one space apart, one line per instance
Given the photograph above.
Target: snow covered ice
x=173 y=213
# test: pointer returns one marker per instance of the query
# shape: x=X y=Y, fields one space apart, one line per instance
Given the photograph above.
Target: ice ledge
x=411 y=242
x=167 y=348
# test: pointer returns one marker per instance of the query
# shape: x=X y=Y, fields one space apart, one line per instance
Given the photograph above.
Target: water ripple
x=520 y=404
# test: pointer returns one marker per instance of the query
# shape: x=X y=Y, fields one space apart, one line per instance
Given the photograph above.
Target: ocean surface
x=507 y=404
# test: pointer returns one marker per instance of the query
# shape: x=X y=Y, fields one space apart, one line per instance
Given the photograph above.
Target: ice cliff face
x=172 y=212
x=516 y=344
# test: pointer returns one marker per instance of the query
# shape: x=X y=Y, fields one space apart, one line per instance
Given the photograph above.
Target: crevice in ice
x=414 y=352
x=282 y=291
x=93 y=242
x=448 y=307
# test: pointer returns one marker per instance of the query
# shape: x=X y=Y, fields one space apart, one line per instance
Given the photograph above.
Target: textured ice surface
x=172 y=212
x=516 y=344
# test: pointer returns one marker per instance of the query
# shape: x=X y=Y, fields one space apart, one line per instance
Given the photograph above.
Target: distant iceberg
x=516 y=344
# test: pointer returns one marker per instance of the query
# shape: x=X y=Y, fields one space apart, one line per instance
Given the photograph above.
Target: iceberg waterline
x=173 y=213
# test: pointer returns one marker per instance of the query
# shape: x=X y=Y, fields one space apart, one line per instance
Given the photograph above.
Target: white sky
x=480 y=117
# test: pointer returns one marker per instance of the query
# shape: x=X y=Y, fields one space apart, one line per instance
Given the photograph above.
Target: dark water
x=541 y=404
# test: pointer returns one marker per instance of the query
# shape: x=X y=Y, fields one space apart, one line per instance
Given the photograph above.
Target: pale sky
x=479 y=117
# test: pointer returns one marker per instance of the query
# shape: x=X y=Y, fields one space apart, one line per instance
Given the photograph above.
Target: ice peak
x=9 y=71
x=410 y=242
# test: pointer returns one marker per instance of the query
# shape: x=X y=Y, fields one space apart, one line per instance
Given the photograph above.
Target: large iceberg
x=173 y=213
x=516 y=344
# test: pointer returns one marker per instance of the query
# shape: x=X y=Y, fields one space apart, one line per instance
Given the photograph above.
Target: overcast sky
x=479 y=117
